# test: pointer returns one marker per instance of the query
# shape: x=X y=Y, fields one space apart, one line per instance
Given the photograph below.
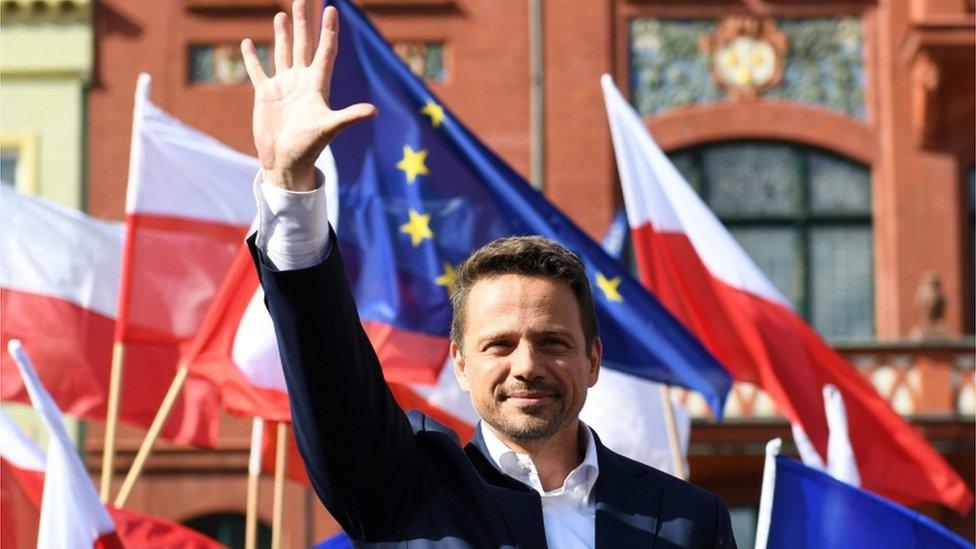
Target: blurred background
x=835 y=141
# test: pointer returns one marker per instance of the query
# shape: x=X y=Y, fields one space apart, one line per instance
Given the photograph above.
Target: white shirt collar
x=521 y=468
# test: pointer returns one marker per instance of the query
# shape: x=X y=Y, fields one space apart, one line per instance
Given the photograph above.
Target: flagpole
x=674 y=441
x=118 y=351
x=253 y=475
x=766 y=495
x=147 y=443
x=111 y=420
x=279 y=486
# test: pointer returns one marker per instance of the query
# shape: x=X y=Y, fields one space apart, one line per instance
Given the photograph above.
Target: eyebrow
x=564 y=333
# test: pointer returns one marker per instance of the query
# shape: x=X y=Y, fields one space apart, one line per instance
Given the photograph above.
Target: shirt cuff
x=292 y=226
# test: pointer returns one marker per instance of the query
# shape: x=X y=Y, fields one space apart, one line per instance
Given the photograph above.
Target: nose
x=525 y=363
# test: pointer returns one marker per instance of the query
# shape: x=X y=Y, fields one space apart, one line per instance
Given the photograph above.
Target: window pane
x=838 y=185
x=425 y=59
x=752 y=179
x=8 y=167
x=842 y=303
x=774 y=250
x=689 y=167
x=221 y=63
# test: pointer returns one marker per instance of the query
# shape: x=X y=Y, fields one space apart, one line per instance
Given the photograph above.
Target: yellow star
x=418 y=227
x=447 y=279
x=434 y=111
x=609 y=287
x=412 y=163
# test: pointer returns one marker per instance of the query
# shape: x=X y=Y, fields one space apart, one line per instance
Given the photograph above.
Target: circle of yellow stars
x=417 y=227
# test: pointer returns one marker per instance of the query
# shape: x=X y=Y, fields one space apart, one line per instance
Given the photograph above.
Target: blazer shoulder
x=668 y=483
x=425 y=425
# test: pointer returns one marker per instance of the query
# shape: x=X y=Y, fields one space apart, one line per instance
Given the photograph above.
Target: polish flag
x=188 y=207
x=21 y=484
x=698 y=271
x=22 y=492
x=58 y=294
x=71 y=513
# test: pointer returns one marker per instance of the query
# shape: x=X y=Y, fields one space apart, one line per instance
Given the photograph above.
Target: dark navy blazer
x=391 y=479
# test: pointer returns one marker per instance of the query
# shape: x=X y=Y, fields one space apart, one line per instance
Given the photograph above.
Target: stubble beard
x=525 y=424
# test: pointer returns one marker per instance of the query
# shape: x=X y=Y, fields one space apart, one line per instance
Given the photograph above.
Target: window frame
x=803 y=222
x=25 y=145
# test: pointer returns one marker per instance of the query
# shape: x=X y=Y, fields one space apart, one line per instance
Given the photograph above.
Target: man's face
x=524 y=359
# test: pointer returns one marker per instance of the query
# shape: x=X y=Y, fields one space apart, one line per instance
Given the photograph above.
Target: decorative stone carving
x=929 y=308
x=926 y=77
x=747 y=55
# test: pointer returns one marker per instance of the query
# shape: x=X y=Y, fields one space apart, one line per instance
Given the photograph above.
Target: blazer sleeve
x=724 y=538
x=360 y=452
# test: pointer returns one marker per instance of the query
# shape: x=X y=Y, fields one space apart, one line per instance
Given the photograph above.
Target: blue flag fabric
x=338 y=541
x=418 y=193
x=812 y=509
x=615 y=239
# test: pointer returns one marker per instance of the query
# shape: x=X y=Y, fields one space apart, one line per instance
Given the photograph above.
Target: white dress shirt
x=567 y=511
x=293 y=233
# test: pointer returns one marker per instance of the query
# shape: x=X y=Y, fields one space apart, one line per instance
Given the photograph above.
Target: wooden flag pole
x=253 y=475
x=674 y=443
x=277 y=512
x=111 y=420
x=143 y=85
x=147 y=443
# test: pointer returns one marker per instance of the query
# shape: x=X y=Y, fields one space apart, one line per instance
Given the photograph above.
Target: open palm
x=293 y=122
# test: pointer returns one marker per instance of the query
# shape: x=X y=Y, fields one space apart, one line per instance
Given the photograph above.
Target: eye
x=496 y=345
x=555 y=343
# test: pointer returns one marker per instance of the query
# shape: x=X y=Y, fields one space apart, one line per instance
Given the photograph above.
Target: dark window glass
x=425 y=59
x=222 y=63
x=804 y=217
x=228 y=528
x=8 y=167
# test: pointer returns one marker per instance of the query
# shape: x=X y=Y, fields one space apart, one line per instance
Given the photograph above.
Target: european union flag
x=418 y=193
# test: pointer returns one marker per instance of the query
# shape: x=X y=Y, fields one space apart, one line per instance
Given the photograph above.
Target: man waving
x=525 y=344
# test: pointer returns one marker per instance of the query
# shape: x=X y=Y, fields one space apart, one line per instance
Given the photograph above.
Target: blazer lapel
x=627 y=503
x=520 y=505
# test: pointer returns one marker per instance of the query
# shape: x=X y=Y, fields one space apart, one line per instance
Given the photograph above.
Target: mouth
x=527 y=398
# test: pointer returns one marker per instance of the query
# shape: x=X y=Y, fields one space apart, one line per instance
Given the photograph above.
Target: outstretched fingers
x=282 y=43
x=302 y=52
x=328 y=44
x=251 y=62
x=352 y=114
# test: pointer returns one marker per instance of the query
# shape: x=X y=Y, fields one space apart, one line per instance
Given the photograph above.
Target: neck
x=555 y=457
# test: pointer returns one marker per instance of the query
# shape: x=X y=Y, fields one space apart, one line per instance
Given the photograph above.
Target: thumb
x=352 y=114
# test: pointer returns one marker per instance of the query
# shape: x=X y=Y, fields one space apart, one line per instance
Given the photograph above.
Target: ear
x=459 y=367
x=596 y=356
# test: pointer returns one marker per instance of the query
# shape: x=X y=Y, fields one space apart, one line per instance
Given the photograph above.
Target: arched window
x=228 y=528
x=804 y=216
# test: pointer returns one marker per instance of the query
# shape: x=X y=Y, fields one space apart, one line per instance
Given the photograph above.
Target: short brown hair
x=533 y=256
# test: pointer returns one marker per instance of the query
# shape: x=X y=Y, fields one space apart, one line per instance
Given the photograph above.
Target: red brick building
x=842 y=158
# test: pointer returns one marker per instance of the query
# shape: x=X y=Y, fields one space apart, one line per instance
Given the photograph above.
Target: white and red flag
x=701 y=274
x=188 y=207
x=71 y=513
x=25 y=489
x=58 y=294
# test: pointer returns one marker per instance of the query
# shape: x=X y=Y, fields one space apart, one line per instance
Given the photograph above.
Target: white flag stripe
x=656 y=193
x=56 y=251
x=178 y=171
x=628 y=414
x=71 y=513
x=255 y=349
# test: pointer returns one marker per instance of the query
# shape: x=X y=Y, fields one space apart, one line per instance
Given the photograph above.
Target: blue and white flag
x=802 y=507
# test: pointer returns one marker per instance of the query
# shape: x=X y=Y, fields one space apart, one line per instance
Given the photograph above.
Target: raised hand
x=293 y=122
